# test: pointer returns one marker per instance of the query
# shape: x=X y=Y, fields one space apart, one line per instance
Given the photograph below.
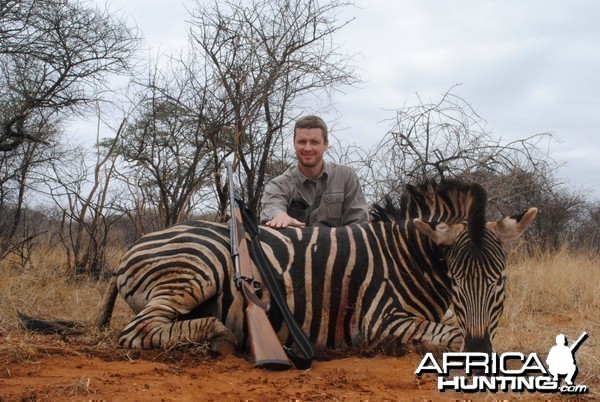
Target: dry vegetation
x=45 y=288
x=550 y=294
x=547 y=294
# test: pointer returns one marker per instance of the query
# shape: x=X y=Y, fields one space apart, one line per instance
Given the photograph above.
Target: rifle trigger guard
x=256 y=285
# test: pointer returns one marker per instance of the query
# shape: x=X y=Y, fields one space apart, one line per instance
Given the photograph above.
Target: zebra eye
x=500 y=280
x=454 y=281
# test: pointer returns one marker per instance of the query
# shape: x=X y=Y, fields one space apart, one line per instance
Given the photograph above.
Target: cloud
x=526 y=67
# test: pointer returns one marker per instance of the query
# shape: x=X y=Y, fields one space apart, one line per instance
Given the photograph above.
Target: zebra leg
x=421 y=336
x=448 y=339
x=450 y=318
x=156 y=326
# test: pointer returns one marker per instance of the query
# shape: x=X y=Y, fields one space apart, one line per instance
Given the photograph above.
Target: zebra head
x=476 y=261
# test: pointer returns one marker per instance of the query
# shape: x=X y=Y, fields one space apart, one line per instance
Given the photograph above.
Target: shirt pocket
x=298 y=209
x=333 y=206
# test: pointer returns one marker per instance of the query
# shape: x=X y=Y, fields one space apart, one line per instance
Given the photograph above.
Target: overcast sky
x=525 y=66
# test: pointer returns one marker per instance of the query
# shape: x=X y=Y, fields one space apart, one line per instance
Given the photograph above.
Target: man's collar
x=325 y=172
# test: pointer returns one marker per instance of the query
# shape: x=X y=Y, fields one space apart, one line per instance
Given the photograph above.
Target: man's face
x=310 y=146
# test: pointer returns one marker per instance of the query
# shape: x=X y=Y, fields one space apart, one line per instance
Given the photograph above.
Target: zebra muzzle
x=479 y=344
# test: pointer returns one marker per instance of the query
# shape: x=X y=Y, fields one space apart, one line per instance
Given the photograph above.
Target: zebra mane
x=450 y=201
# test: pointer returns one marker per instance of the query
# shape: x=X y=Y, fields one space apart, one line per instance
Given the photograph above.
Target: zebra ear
x=511 y=227
x=439 y=232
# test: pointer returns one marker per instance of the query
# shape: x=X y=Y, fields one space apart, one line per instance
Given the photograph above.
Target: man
x=313 y=192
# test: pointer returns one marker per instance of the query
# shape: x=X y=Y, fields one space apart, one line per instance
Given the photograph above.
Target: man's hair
x=311 y=122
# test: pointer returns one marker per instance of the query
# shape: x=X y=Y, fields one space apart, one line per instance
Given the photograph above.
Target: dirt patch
x=50 y=368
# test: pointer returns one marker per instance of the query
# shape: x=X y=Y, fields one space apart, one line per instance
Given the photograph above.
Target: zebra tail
x=51 y=326
x=100 y=321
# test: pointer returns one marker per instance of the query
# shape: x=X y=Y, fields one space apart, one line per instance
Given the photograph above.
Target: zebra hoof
x=391 y=346
x=223 y=347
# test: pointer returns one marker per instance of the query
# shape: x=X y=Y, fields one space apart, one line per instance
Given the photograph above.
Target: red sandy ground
x=48 y=368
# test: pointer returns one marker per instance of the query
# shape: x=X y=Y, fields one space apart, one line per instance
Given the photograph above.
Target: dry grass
x=43 y=288
x=547 y=294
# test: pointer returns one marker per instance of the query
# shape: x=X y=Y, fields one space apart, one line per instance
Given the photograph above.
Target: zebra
x=386 y=284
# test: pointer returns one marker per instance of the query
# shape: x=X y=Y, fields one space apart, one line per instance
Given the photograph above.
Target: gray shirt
x=335 y=198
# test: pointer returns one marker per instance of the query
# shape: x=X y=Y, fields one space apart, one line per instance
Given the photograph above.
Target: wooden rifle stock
x=265 y=346
x=267 y=351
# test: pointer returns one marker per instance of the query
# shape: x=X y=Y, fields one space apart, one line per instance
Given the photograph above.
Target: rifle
x=267 y=351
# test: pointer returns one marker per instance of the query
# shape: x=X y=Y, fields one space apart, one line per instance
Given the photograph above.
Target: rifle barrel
x=233 y=228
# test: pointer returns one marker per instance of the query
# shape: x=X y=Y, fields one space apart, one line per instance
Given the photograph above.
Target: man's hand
x=283 y=220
